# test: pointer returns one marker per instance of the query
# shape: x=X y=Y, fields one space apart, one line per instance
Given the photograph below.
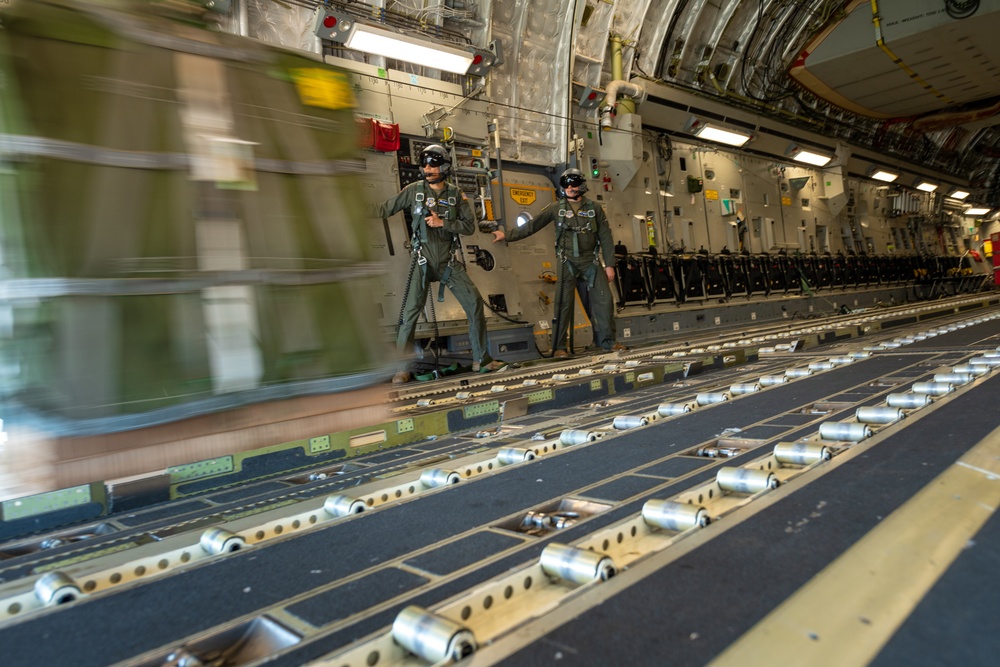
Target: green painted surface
x=206 y=468
x=480 y=409
x=42 y=503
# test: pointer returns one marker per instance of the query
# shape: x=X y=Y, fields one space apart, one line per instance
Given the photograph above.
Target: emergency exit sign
x=523 y=196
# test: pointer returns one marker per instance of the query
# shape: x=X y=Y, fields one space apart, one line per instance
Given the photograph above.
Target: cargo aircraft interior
x=489 y=332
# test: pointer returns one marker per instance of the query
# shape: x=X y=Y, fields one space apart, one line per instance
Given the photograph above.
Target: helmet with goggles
x=573 y=178
x=436 y=155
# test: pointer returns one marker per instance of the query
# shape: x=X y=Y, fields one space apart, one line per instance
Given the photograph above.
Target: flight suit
x=434 y=249
x=582 y=230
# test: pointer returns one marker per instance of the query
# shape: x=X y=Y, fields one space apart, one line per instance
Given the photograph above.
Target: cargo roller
x=217 y=541
x=341 y=505
x=55 y=588
x=511 y=455
x=577 y=566
x=671 y=515
x=745 y=480
x=439 y=477
x=574 y=437
x=431 y=637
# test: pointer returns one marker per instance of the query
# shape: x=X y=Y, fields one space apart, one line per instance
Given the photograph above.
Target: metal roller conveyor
x=431 y=637
x=55 y=588
x=574 y=565
x=861 y=354
x=439 y=477
x=932 y=388
x=220 y=541
x=847 y=431
x=709 y=398
x=908 y=400
x=869 y=414
x=992 y=362
x=744 y=388
x=798 y=372
x=957 y=379
x=801 y=453
x=772 y=380
x=425 y=402
x=745 y=480
x=672 y=409
x=821 y=365
x=840 y=361
x=340 y=505
x=574 y=437
x=671 y=515
x=970 y=369
x=511 y=455
x=625 y=422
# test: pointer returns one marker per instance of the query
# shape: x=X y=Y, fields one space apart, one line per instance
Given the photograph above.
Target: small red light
x=477 y=59
x=592 y=96
x=330 y=21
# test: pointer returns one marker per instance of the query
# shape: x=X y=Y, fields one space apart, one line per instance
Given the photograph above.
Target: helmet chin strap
x=438 y=178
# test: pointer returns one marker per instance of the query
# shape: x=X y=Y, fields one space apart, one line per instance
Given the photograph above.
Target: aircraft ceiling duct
x=621 y=149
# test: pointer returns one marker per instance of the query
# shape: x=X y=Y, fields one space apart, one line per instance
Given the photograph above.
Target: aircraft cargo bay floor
x=834 y=505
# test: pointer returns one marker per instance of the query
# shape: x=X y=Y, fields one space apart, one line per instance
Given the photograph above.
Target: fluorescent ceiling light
x=728 y=137
x=883 y=175
x=381 y=42
x=959 y=194
x=976 y=211
x=927 y=187
x=815 y=159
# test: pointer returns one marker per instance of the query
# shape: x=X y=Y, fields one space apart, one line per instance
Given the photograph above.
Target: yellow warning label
x=786 y=201
x=523 y=196
x=712 y=194
x=323 y=88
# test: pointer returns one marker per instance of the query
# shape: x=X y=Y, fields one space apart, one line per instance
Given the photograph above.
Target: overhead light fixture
x=880 y=174
x=976 y=210
x=342 y=28
x=959 y=194
x=719 y=135
x=383 y=42
x=800 y=154
x=703 y=130
x=926 y=186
